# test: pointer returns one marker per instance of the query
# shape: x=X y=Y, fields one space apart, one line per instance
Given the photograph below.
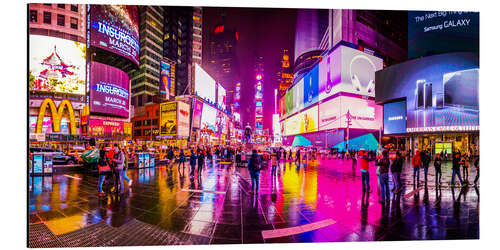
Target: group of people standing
x=113 y=164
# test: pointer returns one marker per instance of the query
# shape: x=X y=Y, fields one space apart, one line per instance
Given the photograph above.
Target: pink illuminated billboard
x=365 y=114
x=99 y=127
x=109 y=90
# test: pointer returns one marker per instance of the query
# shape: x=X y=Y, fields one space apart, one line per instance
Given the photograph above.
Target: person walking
x=192 y=162
x=201 y=161
x=125 y=167
x=396 y=169
x=284 y=155
x=476 y=164
x=437 y=167
x=254 y=167
x=426 y=159
x=466 y=167
x=297 y=156
x=354 y=160
x=119 y=160
x=455 y=171
x=104 y=170
x=290 y=155
x=274 y=162
x=416 y=162
x=383 y=163
x=181 y=158
x=365 y=176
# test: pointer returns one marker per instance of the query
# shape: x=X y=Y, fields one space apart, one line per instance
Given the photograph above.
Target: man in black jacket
x=396 y=169
x=456 y=170
x=383 y=163
x=426 y=159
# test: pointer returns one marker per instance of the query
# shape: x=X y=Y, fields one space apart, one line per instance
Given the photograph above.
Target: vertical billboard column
x=168 y=119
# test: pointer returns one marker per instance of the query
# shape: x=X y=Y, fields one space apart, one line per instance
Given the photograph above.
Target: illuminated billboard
x=115 y=28
x=167 y=78
x=442 y=91
x=198 y=108
x=56 y=65
x=365 y=114
x=348 y=70
x=109 y=90
x=298 y=96
x=204 y=84
x=183 y=119
x=289 y=101
x=109 y=127
x=282 y=106
x=395 y=118
x=311 y=85
x=168 y=119
x=221 y=96
x=208 y=118
x=303 y=122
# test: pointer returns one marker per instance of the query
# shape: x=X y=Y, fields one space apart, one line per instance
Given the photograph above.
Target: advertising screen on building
x=208 y=118
x=100 y=127
x=109 y=90
x=167 y=78
x=47 y=125
x=442 y=91
x=221 y=96
x=56 y=65
x=115 y=28
x=365 y=114
x=204 y=84
x=289 y=101
x=298 y=98
x=282 y=106
x=395 y=118
x=183 y=119
x=348 y=70
x=438 y=32
x=198 y=109
x=303 y=122
x=311 y=87
x=168 y=119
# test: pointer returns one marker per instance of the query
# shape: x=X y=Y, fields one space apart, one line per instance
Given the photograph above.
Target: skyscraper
x=285 y=75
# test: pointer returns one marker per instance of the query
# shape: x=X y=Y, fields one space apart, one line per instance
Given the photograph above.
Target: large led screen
x=198 y=109
x=221 y=96
x=298 y=96
x=311 y=86
x=115 y=28
x=395 y=118
x=56 y=65
x=167 y=78
x=282 y=106
x=348 y=70
x=365 y=114
x=438 y=32
x=208 y=118
x=169 y=124
x=289 y=101
x=109 y=90
x=183 y=119
x=303 y=122
x=441 y=91
x=204 y=84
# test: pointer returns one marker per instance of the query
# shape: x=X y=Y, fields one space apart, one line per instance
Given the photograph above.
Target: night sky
x=262 y=32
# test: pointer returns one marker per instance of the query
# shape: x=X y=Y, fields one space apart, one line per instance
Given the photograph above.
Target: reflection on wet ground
x=321 y=201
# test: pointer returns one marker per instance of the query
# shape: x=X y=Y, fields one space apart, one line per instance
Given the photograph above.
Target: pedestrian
x=354 y=156
x=181 y=158
x=466 y=165
x=254 y=167
x=437 y=167
x=416 y=162
x=119 y=160
x=426 y=159
x=297 y=156
x=192 y=162
x=396 y=169
x=476 y=164
x=125 y=168
x=274 y=162
x=290 y=155
x=284 y=155
x=365 y=176
x=383 y=163
x=104 y=170
x=201 y=161
x=456 y=170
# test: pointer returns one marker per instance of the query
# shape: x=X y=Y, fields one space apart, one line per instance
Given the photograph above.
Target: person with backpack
x=254 y=167
x=192 y=162
x=396 y=169
x=426 y=159
x=119 y=160
x=104 y=170
x=383 y=164
x=365 y=176
x=416 y=162
x=437 y=167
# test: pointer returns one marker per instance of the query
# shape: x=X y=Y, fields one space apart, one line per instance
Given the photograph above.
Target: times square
x=161 y=125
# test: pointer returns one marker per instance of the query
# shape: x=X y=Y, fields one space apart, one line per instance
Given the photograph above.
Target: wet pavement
x=321 y=201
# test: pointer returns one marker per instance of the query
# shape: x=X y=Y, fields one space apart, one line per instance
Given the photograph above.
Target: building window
x=137 y=132
x=33 y=16
x=61 y=6
x=47 y=4
x=74 y=8
x=47 y=17
x=155 y=122
x=74 y=23
x=60 y=20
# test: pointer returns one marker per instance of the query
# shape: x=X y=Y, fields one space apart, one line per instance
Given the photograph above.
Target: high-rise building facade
x=285 y=75
x=65 y=21
x=259 y=94
x=145 y=81
x=182 y=43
